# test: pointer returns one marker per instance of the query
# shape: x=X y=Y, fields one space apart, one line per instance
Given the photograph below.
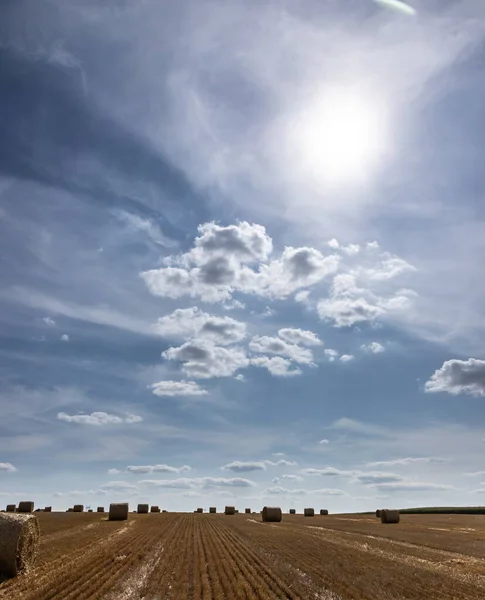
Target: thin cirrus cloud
x=177 y=388
x=403 y=462
x=459 y=377
x=98 y=418
x=281 y=491
x=199 y=482
x=238 y=466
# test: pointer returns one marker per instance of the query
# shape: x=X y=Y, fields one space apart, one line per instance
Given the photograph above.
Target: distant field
x=194 y=556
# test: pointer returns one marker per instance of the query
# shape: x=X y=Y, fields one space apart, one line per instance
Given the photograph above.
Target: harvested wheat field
x=207 y=556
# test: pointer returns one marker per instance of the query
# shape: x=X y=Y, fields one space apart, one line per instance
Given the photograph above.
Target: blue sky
x=241 y=253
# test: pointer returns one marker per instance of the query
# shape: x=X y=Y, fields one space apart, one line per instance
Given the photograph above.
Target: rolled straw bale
x=212 y=510
x=230 y=510
x=292 y=511
x=389 y=516
x=142 y=509
x=10 y=508
x=154 y=509
x=48 y=509
x=118 y=511
x=100 y=509
x=247 y=511
x=309 y=512
x=26 y=507
x=236 y=511
x=200 y=510
x=38 y=510
x=163 y=511
x=19 y=539
x=90 y=510
x=323 y=511
x=78 y=508
x=69 y=510
x=271 y=514
x=378 y=513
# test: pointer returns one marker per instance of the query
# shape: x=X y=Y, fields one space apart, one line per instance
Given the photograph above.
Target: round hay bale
x=292 y=511
x=69 y=510
x=100 y=509
x=247 y=511
x=212 y=510
x=230 y=510
x=19 y=540
x=26 y=507
x=309 y=512
x=389 y=516
x=48 y=509
x=11 y=508
x=200 y=510
x=323 y=511
x=154 y=509
x=78 y=508
x=90 y=510
x=378 y=513
x=164 y=511
x=142 y=509
x=118 y=511
x=271 y=514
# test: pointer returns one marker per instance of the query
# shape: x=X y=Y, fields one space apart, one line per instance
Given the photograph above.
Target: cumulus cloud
x=346 y=357
x=373 y=347
x=459 y=377
x=324 y=441
x=331 y=353
x=329 y=472
x=259 y=465
x=276 y=365
x=273 y=345
x=202 y=360
x=177 y=388
x=114 y=471
x=299 y=336
x=49 y=321
x=136 y=470
x=235 y=258
x=402 y=462
x=199 y=482
x=98 y=418
x=6 y=467
x=192 y=322
x=291 y=476
x=64 y=337
x=348 y=311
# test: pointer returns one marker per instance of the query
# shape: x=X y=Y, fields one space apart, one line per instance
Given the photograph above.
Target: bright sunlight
x=340 y=136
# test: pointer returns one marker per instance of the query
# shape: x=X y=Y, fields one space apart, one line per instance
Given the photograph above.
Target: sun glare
x=340 y=136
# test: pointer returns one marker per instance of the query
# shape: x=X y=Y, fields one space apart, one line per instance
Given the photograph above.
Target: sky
x=241 y=253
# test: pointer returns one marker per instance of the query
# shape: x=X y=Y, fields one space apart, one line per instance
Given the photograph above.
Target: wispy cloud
x=98 y=418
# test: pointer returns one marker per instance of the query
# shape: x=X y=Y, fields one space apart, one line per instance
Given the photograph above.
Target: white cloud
x=390 y=267
x=199 y=482
x=376 y=478
x=351 y=249
x=177 y=388
x=358 y=427
x=344 y=311
x=278 y=454
x=333 y=243
x=281 y=491
x=136 y=470
x=49 y=321
x=147 y=226
x=114 y=471
x=402 y=462
x=459 y=377
x=221 y=263
x=273 y=345
x=259 y=465
x=290 y=476
x=202 y=359
x=329 y=472
x=324 y=442
x=64 y=337
x=276 y=365
x=195 y=323
x=97 y=418
x=373 y=347
x=299 y=336
x=346 y=357
x=7 y=467
x=412 y=486
x=302 y=297
x=240 y=377
x=331 y=353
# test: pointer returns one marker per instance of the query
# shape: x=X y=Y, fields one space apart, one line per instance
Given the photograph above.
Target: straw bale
x=154 y=509
x=292 y=511
x=19 y=540
x=213 y=510
x=230 y=510
x=48 y=509
x=378 y=513
x=118 y=511
x=309 y=512
x=100 y=509
x=323 y=511
x=247 y=511
x=389 y=516
x=78 y=508
x=271 y=514
x=26 y=507
x=142 y=509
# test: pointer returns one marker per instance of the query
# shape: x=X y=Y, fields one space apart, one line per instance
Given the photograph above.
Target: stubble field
x=202 y=556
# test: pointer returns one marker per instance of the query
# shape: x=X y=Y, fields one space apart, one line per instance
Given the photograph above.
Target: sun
x=340 y=136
